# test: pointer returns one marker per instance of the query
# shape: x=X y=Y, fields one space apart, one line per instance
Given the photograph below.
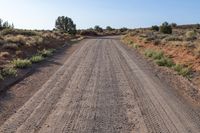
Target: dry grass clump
x=24 y=40
x=11 y=46
x=191 y=35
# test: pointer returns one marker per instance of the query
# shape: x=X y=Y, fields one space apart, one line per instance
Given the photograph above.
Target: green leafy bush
x=65 y=24
x=21 y=63
x=36 y=58
x=164 y=61
x=136 y=46
x=9 y=71
x=98 y=28
x=159 y=58
x=166 y=28
x=184 y=71
x=155 y=28
x=157 y=55
x=149 y=53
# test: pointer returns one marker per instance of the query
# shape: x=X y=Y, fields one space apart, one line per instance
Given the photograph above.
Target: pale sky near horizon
x=41 y=14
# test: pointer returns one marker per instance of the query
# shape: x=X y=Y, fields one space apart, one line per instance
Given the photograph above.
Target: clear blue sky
x=41 y=14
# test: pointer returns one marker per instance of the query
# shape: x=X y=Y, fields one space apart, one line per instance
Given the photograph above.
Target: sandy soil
x=102 y=87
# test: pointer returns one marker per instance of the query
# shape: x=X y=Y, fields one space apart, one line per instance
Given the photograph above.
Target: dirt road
x=103 y=88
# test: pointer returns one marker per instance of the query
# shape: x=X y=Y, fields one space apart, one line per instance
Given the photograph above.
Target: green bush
x=158 y=55
x=109 y=28
x=65 y=24
x=159 y=58
x=9 y=71
x=164 y=61
x=21 y=63
x=155 y=28
x=136 y=46
x=184 y=71
x=149 y=53
x=166 y=28
x=98 y=28
x=36 y=58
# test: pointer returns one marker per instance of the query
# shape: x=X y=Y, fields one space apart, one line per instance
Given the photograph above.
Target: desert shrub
x=9 y=71
x=65 y=24
x=7 y=31
x=157 y=55
x=124 y=29
x=191 y=35
x=109 y=28
x=166 y=28
x=46 y=53
x=35 y=40
x=149 y=53
x=18 y=32
x=98 y=28
x=136 y=46
x=173 y=38
x=16 y=39
x=155 y=28
x=12 y=46
x=159 y=58
x=165 y=61
x=88 y=33
x=173 y=25
x=130 y=42
x=36 y=58
x=24 y=40
x=21 y=63
x=184 y=71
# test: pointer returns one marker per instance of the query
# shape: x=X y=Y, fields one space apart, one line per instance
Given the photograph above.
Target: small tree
x=155 y=28
x=98 y=28
x=109 y=28
x=166 y=28
x=65 y=24
x=5 y=25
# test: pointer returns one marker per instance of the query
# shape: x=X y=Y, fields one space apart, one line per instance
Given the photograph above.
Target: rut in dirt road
x=103 y=88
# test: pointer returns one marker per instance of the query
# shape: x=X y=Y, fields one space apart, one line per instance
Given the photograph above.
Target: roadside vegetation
x=99 y=31
x=161 y=60
x=19 y=49
x=170 y=45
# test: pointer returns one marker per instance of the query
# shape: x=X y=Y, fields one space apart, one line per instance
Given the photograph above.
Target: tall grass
x=21 y=63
